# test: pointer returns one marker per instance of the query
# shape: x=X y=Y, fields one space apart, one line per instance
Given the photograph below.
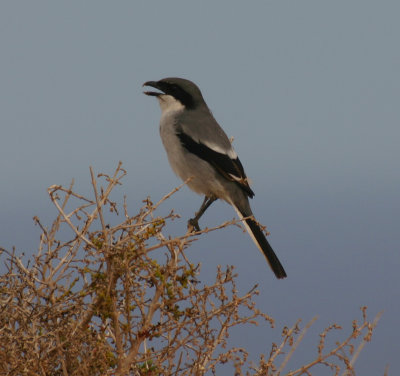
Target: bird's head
x=176 y=92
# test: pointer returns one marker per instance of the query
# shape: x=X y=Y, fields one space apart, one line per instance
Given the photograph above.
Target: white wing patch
x=230 y=152
x=240 y=180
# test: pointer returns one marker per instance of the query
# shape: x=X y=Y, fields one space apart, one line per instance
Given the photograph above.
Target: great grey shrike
x=199 y=149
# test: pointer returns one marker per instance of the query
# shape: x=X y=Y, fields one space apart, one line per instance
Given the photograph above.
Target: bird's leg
x=193 y=223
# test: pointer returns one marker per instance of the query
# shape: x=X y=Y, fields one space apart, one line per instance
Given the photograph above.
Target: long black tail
x=261 y=242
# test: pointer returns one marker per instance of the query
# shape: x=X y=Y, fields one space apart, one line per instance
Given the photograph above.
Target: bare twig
x=126 y=300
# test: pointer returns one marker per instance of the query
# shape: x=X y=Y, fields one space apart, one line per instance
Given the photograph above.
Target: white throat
x=169 y=104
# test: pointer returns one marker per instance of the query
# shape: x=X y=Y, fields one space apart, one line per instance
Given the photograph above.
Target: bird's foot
x=193 y=225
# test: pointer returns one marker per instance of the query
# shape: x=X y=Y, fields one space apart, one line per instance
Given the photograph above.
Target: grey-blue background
x=310 y=91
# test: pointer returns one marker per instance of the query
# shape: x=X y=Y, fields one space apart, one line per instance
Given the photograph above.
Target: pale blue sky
x=308 y=89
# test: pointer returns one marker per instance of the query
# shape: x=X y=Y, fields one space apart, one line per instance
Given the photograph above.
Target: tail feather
x=261 y=242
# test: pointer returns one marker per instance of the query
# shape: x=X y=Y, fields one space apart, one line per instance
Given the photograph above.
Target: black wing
x=229 y=168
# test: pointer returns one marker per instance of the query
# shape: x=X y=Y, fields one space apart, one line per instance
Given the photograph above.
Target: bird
x=198 y=149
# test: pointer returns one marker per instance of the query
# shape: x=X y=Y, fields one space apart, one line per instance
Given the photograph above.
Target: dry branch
x=126 y=300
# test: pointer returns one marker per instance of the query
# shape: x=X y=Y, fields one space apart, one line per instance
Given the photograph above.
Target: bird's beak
x=154 y=84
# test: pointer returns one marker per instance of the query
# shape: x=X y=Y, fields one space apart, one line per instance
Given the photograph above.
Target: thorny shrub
x=124 y=299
